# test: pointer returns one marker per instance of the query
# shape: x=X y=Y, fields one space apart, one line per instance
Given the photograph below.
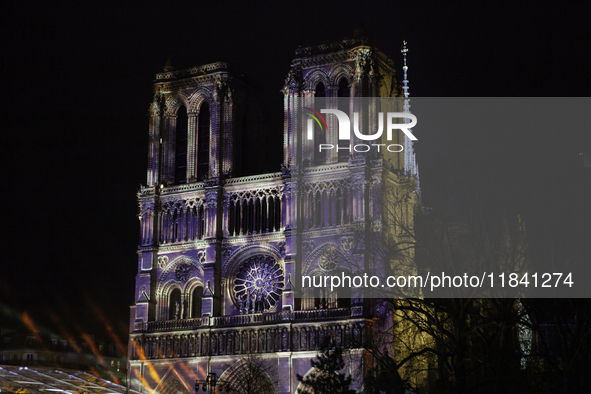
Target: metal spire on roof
x=405 y=68
x=410 y=163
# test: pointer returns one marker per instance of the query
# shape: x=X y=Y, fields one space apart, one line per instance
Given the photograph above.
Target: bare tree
x=463 y=343
x=251 y=375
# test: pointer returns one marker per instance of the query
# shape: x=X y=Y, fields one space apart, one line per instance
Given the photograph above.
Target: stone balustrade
x=241 y=320
x=294 y=336
x=167 y=325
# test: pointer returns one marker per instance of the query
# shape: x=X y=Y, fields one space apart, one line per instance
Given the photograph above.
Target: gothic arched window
x=319 y=134
x=180 y=159
x=196 y=299
x=203 y=142
x=344 y=91
x=343 y=105
x=174 y=305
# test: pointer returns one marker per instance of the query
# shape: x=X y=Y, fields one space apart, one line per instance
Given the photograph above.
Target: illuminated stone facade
x=216 y=260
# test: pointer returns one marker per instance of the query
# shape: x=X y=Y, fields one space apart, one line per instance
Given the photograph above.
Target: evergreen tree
x=326 y=378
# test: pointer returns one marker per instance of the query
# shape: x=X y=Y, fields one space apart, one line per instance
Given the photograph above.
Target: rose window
x=329 y=260
x=182 y=272
x=258 y=285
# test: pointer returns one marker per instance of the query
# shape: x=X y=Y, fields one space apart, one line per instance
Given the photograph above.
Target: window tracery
x=180 y=162
x=182 y=272
x=343 y=105
x=259 y=284
x=319 y=134
x=254 y=211
x=203 y=135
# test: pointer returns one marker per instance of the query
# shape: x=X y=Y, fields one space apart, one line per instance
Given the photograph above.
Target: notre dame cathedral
x=223 y=249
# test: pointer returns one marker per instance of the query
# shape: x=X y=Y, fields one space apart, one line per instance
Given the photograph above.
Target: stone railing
x=193 y=70
x=254 y=178
x=271 y=338
x=322 y=168
x=320 y=314
x=253 y=318
x=237 y=320
x=165 y=325
x=181 y=188
x=145 y=191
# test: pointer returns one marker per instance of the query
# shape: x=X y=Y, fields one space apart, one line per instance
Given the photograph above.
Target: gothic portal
x=216 y=282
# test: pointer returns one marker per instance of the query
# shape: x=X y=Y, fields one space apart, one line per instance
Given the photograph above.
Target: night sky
x=77 y=82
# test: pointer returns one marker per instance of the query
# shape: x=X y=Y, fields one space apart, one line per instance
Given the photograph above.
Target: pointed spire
x=168 y=66
x=405 y=68
x=410 y=162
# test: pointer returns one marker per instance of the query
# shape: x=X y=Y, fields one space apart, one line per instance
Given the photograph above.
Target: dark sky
x=77 y=82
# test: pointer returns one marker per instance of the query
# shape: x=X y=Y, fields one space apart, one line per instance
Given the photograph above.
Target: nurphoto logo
x=345 y=129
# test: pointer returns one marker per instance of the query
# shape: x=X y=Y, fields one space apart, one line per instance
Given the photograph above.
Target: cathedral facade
x=222 y=251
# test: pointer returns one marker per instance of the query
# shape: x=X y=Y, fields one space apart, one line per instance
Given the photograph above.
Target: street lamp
x=210 y=381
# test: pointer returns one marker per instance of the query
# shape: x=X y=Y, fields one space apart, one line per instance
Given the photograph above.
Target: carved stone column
x=192 y=147
x=226 y=215
x=211 y=213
